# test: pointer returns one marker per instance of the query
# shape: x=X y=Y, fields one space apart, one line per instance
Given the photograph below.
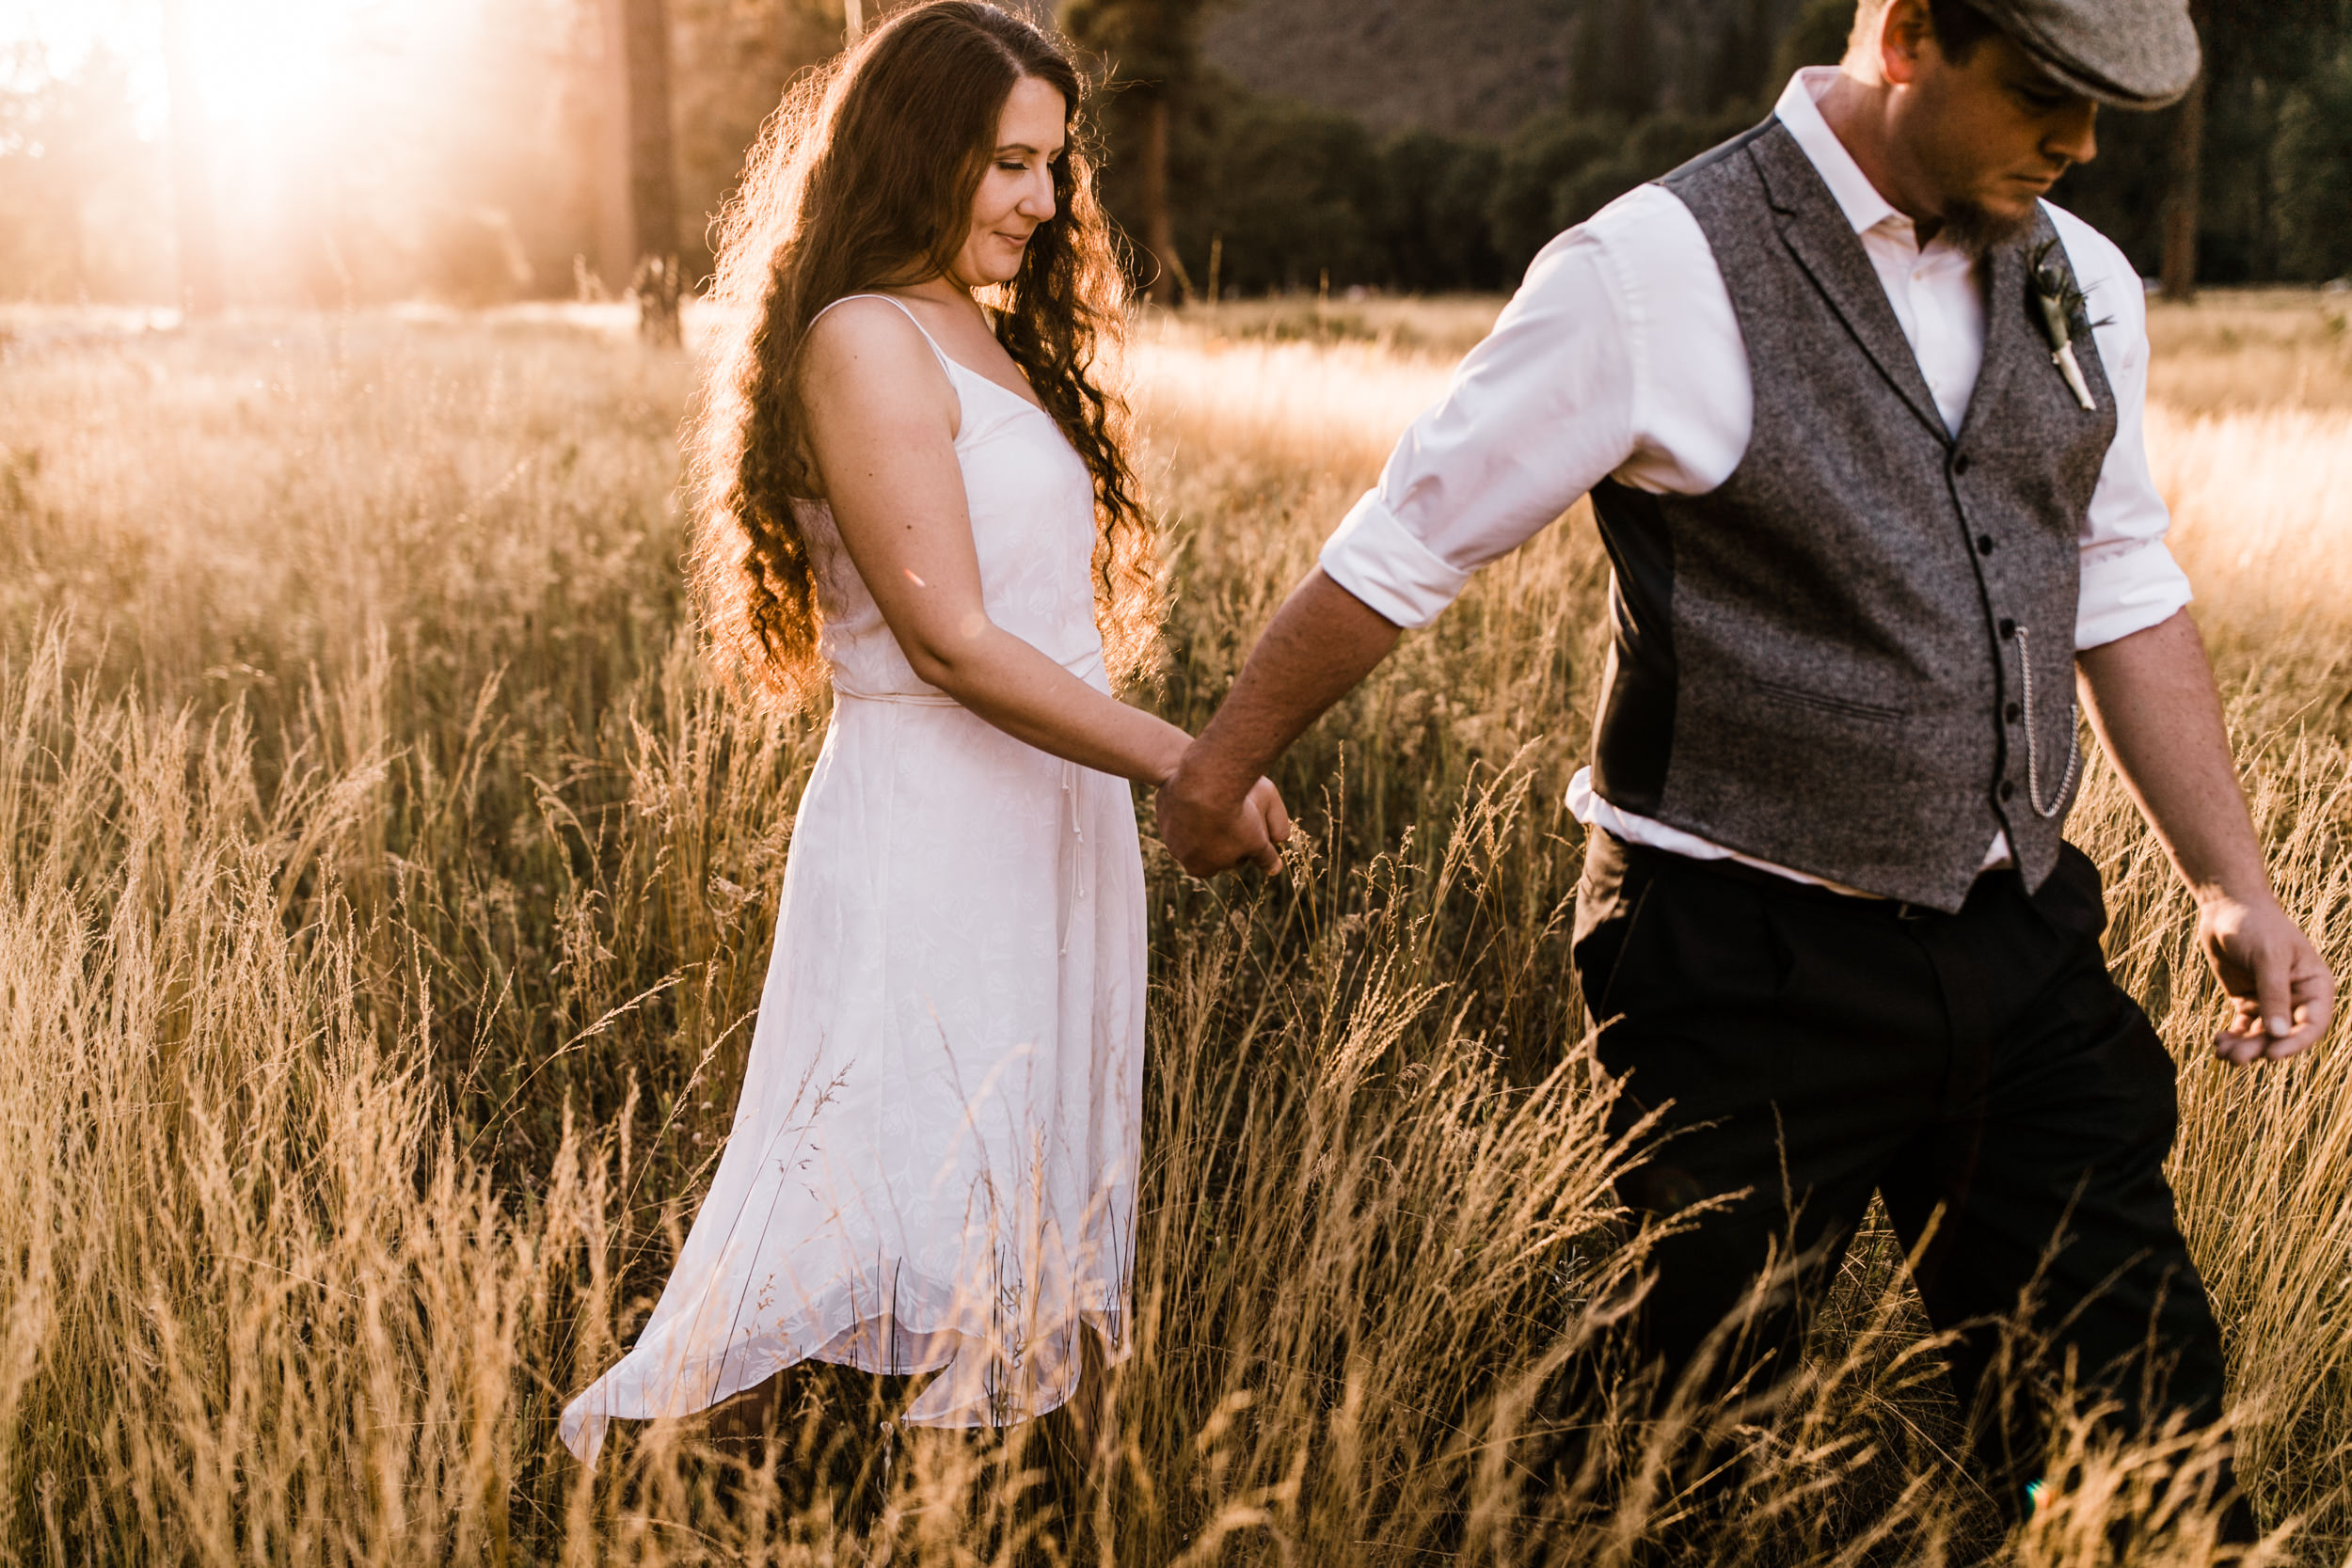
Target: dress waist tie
x=1086 y=667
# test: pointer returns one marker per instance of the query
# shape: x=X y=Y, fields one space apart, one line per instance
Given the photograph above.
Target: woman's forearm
x=1013 y=686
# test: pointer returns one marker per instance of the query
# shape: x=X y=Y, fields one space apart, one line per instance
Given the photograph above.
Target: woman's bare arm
x=882 y=420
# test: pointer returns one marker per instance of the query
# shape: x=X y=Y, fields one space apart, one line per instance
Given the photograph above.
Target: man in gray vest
x=1860 y=415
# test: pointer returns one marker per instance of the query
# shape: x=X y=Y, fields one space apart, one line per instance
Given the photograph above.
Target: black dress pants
x=1979 y=1070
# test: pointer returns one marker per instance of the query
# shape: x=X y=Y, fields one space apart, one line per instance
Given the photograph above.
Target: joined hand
x=1209 y=832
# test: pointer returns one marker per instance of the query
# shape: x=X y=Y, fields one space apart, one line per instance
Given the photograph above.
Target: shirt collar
x=1799 y=110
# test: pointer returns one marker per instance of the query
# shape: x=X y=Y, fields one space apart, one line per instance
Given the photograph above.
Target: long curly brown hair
x=865 y=179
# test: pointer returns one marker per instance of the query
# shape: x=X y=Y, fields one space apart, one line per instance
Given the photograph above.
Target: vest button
x=2013 y=713
x=2007 y=789
x=1961 y=463
x=1985 y=544
x=2008 y=628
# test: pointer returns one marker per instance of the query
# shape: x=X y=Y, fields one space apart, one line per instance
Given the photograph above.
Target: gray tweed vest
x=1855 y=656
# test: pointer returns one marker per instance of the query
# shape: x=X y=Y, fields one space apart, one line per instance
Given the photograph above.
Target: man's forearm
x=2155 y=708
x=1320 y=644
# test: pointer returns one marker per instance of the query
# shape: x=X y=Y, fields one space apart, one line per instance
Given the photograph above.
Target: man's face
x=1985 y=137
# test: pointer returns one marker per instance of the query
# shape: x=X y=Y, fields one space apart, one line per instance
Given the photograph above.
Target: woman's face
x=1017 y=192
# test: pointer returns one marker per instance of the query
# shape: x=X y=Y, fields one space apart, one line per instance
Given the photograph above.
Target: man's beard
x=1978 y=230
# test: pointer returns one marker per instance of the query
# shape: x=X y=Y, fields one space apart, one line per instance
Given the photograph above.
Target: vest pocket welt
x=1875 y=712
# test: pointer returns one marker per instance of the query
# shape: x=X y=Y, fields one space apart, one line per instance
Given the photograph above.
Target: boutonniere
x=2060 y=300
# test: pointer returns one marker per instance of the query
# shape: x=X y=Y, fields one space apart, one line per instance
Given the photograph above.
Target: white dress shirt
x=1620 y=355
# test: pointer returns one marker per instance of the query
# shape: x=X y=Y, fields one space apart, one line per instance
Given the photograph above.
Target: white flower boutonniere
x=2061 y=304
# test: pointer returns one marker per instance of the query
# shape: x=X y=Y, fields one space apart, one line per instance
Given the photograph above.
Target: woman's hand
x=1268 y=801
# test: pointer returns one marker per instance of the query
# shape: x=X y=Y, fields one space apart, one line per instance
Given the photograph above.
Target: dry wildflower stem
x=384 y=893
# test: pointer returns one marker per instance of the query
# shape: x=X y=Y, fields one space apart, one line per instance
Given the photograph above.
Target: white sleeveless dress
x=932 y=1168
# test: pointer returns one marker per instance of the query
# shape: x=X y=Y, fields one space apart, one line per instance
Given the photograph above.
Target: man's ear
x=1905 y=34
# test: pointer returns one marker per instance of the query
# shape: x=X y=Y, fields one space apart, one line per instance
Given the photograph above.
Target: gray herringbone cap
x=2133 y=54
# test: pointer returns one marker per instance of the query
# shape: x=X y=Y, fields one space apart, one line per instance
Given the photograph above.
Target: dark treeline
x=1283 y=195
x=512 y=156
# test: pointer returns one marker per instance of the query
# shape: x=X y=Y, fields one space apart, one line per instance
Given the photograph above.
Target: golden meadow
x=384 y=890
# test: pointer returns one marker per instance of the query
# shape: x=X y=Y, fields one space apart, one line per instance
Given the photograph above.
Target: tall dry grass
x=385 y=893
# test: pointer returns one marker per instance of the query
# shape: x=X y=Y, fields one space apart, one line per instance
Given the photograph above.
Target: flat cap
x=2133 y=54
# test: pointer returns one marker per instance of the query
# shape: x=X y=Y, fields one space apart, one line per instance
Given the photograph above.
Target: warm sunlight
x=267 y=66
x=272 y=61
x=1456 y=810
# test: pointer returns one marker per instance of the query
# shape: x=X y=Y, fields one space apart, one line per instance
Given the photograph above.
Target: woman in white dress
x=932 y=1165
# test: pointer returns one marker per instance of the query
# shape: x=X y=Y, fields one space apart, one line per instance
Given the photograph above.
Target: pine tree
x=2282 y=42
x=642 y=28
x=1150 y=55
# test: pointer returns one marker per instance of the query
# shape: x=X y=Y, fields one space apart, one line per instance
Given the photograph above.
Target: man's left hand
x=1208 y=832
x=2283 y=993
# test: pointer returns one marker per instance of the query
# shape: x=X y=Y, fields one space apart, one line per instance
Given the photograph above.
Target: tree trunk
x=190 y=174
x=1159 y=229
x=604 y=150
x=652 y=166
x=2186 y=177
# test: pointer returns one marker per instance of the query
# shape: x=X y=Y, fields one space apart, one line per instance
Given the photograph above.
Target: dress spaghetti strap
x=945 y=363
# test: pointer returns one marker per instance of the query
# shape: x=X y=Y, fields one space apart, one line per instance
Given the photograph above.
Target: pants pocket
x=2071 y=901
x=1609 y=900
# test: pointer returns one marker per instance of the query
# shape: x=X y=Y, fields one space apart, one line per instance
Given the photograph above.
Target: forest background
x=504 y=150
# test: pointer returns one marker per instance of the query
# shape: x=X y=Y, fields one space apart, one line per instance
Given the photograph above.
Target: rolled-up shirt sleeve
x=2129 y=578
x=1535 y=417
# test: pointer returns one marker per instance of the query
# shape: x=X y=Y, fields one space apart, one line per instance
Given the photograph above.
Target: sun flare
x=268 y=61
x=275 y=67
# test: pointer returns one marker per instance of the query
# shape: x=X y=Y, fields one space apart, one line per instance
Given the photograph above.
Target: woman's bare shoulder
x=867 y=361
x=866 y=335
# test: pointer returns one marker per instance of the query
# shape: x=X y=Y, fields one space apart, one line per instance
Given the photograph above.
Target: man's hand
x=2153 y=701
x=2284 y=994
x=1319 y=644
x=1209 y=833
